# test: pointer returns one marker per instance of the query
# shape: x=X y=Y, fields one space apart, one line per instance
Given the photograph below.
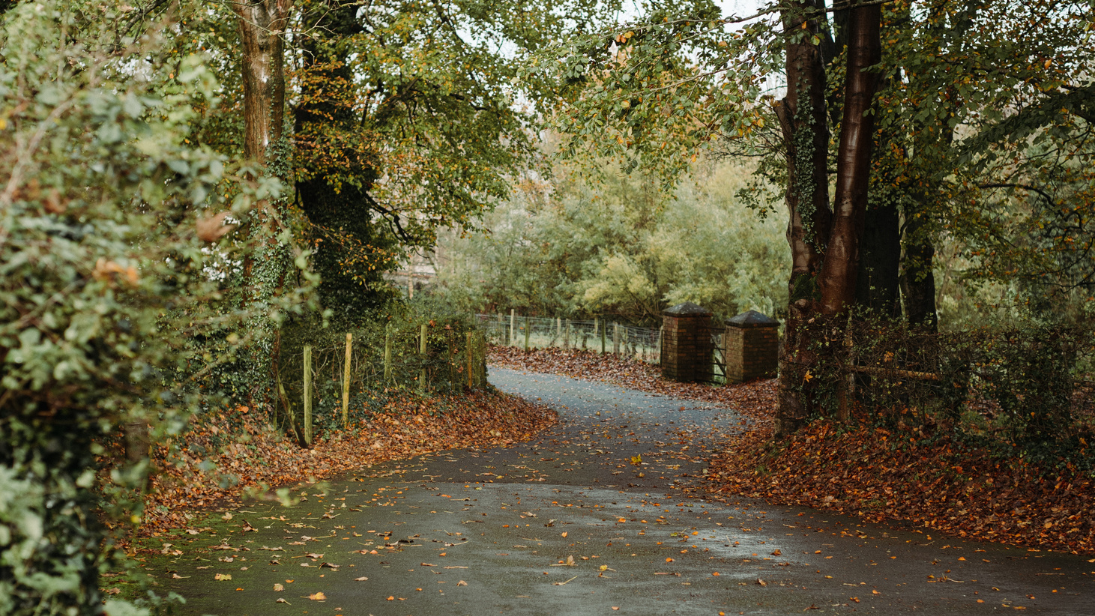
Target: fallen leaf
x=212 y=228
x=319 y=596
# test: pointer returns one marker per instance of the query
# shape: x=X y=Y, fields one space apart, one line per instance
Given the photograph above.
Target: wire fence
x=528 y=332
x=324 y=376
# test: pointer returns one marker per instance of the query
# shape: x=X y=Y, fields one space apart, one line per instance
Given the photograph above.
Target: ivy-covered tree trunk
x=261 y=26
x=803 y=120
x=338 y=170
x=824 y=243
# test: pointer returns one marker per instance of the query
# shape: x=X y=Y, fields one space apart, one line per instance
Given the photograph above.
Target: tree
x=824 y=240
x=404 y=120
x=655 y=91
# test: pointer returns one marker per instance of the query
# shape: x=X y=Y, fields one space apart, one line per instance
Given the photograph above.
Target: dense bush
x=1022 y=388
x=109 y=228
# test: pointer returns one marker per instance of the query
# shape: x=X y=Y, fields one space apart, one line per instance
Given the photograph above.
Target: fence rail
x=528 y=332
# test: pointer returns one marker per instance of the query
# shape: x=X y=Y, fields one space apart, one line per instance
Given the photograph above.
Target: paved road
x=567 y=524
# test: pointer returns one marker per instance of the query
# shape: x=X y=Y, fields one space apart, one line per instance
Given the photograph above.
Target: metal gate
x=718 y=355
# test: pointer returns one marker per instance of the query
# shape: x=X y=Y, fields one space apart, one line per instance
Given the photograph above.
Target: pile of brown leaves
x=246 y=449
x=944 y=485
x=749 y=399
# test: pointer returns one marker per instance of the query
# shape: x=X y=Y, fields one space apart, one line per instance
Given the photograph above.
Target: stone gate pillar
x=687 y=351
x=752 y=347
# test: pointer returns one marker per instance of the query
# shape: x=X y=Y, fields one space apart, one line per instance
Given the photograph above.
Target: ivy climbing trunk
x=261 y=25
x=803 y=121
x=824 y=243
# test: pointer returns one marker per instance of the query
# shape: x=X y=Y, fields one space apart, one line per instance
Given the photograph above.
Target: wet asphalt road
x=570 y=524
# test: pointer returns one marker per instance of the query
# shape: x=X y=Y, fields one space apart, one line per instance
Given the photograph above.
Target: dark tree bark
x=878 y=277
x=917 y=280
x=840 y=269
x=804 y=123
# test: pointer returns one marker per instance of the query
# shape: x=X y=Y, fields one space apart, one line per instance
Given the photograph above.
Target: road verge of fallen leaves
x=944 y=485
x=228 y=454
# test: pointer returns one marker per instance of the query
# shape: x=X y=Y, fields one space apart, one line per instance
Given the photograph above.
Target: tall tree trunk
x=803 y=120
x=878 y=282
x=262 y=26
x=840 y=269
x=917 y=279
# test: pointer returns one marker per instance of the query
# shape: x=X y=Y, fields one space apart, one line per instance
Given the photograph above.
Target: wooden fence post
x=308 y=395
x=346 y=381
x=387 y=356
x=513 y=326
x=616 y=338
x=422 y=353
x=604 y=326
x=470 y=385
x=526 y=332
x=566 y=336
x=449 y=360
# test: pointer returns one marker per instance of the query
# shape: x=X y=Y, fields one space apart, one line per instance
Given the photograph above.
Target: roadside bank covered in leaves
x=229 y=454
x=942 y=484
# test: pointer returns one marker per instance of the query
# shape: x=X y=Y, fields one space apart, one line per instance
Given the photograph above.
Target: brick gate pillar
x=686 y=344
x=752 y=347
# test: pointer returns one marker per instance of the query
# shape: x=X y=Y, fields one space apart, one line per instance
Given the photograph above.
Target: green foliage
x=984 y=119
x=406 y=118
x=106 y=277
x=574 y=248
